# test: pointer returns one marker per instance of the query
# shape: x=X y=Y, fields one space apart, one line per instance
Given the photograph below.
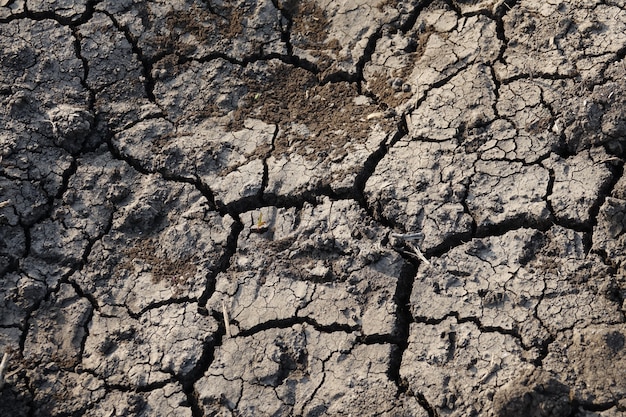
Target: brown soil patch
x=309 y=31
x=310 y=22
x=205 y=26
x=292 y=98
x=173 y=272
x=380 y=85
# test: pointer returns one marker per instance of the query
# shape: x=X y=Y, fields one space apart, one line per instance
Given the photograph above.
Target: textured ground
x=313 y=208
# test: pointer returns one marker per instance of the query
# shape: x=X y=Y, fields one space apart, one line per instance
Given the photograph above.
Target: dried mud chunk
x=334 y=35
x=577 y=284
x=529 y=282
x=165 y=401
x=505 y=191
x=608 y=234
x=230 y=163
x=55 y=391
x=9 y=8
x=484 y=279
x=162 y=243
x=476 y=6
x=16 y=401
x=420 y=186
x=305 y=263
x=12 y=237
x=69 y=9
x=457 y=367
x=535 y=130
x=589 y=112
x=83 y=212
x=297 y=371
x=578 y=182
x=115 y=72
x=598 y=356
x=192 y=91
x=39 y=57
x=464 y=102
x=560 y=38
x=57 y=329
x=149 y=349
x=537 y=394
x=32 y=165
x=70 y=126
x=31 y=184
x=531 y=47
x=307 y=165
x=613 y=97
x=19 y=294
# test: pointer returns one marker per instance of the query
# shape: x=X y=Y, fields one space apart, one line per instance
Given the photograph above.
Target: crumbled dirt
x=309 y=31
x=381 y=87
x=292 y=97
x=310 y=22
x=173 y=272
x=198 y=24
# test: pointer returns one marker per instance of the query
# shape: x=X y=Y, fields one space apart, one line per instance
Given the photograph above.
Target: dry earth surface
x=314 y=207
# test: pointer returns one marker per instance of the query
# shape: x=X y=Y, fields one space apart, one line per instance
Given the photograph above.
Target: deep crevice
x=204 y=362
x=370 y=164
x=543 y=350
x=292 y=321
x=278 y=200
x=513 y=223
x=146 y=64
x=490 y=329
x=266 y=174
x=222 y=264
x=537 y=75
x=549 y=191
x=409 y=23
x=500 y=12
x=94 y=307
x=82 y=294
x=51 y=15
x=421 y=399
x=161 y=303
x=596 y=406
x=83 y=80
x=404 y=318
x=138 y=388
x=27 y=240
x=285 y=31
x=603 y=194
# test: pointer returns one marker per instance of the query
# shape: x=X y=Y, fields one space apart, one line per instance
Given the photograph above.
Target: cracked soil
x=313 y=207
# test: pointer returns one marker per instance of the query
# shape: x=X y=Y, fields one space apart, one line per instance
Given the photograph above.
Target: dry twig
x=3 y=365
x=407 y=238
x=226 y=319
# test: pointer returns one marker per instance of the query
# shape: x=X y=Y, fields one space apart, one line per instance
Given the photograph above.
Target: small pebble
x=397 y=84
